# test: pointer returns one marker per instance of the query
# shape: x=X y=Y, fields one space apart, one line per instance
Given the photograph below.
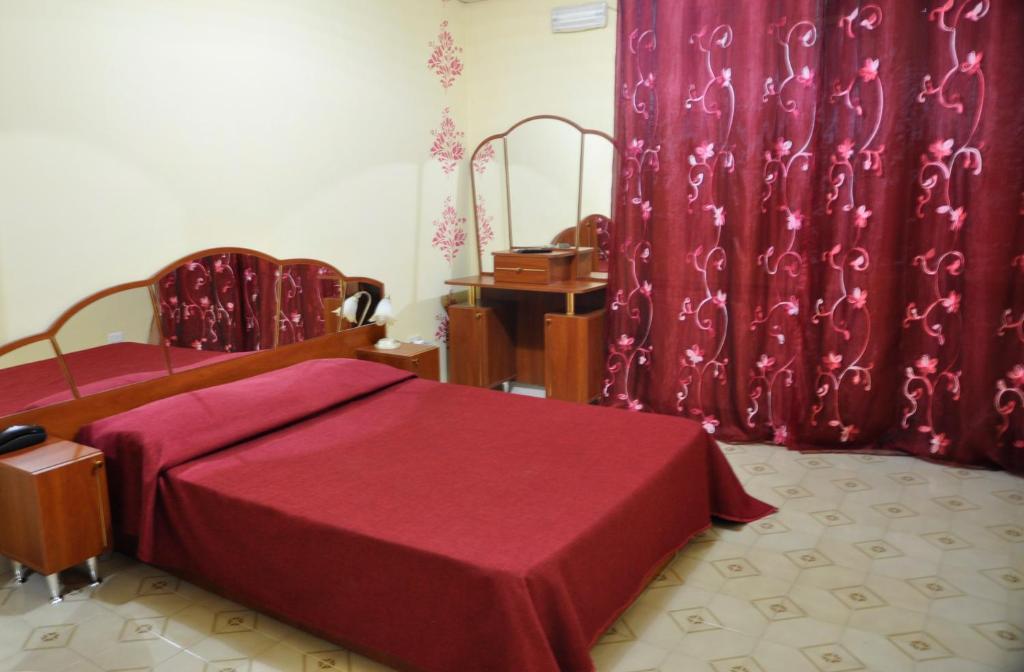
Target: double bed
x=431 y=526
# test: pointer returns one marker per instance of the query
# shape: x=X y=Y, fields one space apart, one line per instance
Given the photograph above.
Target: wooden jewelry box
x=536 y=266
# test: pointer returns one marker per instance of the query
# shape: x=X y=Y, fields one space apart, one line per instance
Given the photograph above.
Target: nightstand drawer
x=423 y=360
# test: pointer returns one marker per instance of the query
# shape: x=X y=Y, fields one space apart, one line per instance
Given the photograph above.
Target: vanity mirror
x=215 y=305
x=545 y=181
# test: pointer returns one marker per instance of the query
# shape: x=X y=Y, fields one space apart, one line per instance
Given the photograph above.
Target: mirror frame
x=503 y=136
x=50 y=334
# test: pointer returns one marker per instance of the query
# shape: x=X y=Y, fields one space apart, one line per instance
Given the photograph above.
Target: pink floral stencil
x=449 y=232
x=444 y=58
x=441 y=333
x=448 y=148
x=483 y=222
x=482 y=158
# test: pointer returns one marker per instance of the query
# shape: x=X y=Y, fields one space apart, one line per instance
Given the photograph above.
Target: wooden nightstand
x=423 y=360
x=54 y=510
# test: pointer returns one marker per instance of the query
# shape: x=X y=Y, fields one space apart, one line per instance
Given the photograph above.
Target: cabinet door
x=75 y=512
x=465 y=360
x=573 y=356
x=481 y=349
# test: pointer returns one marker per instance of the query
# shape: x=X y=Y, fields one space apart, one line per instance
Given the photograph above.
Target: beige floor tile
x=182 y=662
x=627 y=657
x=876 y=651
x=40 y=660
x=233 y=645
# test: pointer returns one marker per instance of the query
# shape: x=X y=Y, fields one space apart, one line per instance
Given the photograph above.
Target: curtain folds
x=819 y=227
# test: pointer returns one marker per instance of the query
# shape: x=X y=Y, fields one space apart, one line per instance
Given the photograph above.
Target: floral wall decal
x=441 y=333
x=449 y=231
x=483 y=158
x=447 y=147
x=444 y=59
x=483 y=222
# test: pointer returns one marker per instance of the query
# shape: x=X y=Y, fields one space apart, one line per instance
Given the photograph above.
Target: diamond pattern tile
x=881 y=563
x=919 y=646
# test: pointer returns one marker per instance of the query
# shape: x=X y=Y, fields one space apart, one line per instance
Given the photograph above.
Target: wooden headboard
x=338 y=338
x=65 y=419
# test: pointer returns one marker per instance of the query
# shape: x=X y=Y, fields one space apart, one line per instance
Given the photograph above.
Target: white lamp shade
x=350 y=307
x=385 y=313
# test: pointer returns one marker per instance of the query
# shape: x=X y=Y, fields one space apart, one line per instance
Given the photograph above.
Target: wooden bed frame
x=64 y=419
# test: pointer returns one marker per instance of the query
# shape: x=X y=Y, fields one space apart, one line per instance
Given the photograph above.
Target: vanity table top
x=595 y=282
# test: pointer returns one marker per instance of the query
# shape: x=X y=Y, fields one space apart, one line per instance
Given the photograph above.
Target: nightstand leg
x=53 y=583
x=19 y=571
x=94 y=571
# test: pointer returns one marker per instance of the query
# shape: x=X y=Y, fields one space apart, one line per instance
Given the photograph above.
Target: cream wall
x=135 y=131
x=519 y=68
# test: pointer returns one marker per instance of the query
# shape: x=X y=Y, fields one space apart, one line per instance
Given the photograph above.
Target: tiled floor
x=873 y=563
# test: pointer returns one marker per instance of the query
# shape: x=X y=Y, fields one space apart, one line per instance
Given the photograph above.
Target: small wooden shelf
x=538 y=334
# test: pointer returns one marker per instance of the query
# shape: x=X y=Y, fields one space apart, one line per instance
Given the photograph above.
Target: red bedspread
x=434 y=526
x=105 y=367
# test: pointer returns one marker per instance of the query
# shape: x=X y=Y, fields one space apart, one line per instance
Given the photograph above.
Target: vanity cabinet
x=574 y=356
x=482 y=353
x=548 y=335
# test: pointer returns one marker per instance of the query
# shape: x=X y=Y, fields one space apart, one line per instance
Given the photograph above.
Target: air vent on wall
x=575 y=18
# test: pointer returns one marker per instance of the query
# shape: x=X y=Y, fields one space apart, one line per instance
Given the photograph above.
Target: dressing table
x=534 y=312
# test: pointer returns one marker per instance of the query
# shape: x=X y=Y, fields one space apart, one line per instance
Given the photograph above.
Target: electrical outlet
x=115 y=337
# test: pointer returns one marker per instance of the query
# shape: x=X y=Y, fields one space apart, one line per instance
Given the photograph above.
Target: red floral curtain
x=819 y=235
x=304 y=288
x=220 y=303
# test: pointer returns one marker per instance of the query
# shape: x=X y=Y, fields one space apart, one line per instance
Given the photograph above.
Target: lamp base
x=387 y=344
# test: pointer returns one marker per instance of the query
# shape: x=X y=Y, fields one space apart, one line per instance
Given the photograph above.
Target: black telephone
x=17 y=437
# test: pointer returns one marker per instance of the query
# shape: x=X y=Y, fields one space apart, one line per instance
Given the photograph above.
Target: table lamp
x=383 y=315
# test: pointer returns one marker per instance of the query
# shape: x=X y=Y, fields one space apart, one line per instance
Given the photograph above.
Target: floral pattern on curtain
x=220 y=303
x=818 y=235
x=304 y=288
